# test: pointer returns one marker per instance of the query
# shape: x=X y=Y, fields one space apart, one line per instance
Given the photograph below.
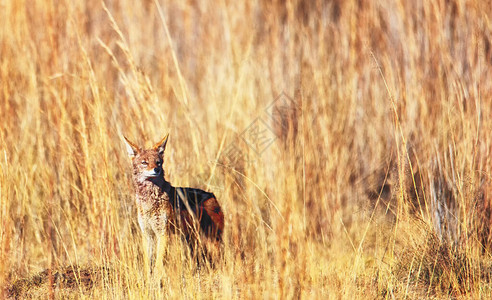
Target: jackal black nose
x=157 y=170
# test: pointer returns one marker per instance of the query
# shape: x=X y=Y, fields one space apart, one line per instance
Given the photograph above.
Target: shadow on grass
x=441 y=268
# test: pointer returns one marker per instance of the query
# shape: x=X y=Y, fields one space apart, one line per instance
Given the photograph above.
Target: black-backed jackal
x=164 y=209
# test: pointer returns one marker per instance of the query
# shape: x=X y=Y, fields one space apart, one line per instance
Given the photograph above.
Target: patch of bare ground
x=62 y=281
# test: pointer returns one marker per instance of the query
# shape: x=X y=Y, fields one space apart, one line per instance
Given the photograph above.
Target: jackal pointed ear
x=161 y=146
x=131 y=148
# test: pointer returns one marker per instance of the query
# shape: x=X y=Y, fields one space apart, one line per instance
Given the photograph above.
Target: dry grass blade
x=347 y=142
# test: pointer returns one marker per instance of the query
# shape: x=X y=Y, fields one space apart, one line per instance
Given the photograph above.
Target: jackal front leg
x=151 y=249
x=160 y=252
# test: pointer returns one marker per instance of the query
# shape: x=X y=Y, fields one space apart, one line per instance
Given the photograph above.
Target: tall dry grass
x=371 y=178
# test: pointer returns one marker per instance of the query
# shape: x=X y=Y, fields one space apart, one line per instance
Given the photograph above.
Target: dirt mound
x=45 y=282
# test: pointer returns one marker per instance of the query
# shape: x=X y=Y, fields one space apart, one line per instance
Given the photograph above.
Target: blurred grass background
x=373 y=178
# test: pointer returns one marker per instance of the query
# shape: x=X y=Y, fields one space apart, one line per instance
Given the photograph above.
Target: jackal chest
x=153 y=213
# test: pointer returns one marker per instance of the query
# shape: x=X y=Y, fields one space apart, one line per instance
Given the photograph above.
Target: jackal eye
x=144 y=163
x=159 y=163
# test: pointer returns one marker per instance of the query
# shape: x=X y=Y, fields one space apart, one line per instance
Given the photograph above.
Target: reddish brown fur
x=212 y=208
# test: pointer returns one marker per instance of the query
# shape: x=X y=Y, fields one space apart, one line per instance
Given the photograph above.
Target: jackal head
x=147 y=163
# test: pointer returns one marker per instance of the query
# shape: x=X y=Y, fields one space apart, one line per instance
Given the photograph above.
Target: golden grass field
x=349 y=144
